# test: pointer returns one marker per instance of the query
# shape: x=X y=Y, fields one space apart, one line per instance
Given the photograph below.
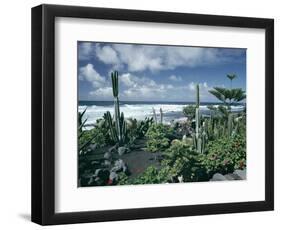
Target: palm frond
x=231 y=76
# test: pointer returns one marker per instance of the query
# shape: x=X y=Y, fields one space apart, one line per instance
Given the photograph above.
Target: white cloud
x=102 y=93
x=169 y=86
x=89 y=74
x=131 y=80
x=145 y=92
x=136 y=87
x=191 y=86
x=136 y=58
x=175 y=78
x=86 y=50
x=107 y=55
x=203 y=87
x=133 y=87
x=127 y=80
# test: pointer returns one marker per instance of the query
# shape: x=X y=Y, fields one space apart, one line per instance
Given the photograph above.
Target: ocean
x=142 y=109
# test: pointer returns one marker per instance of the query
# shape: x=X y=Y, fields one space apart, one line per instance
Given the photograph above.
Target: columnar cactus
x=230 y=125
x=154 y=115
x=197 y=96
x=112 y=130
x=161 y=116
x=200 y=138
x=197 y=117
x=123 y=127
x=115 y=89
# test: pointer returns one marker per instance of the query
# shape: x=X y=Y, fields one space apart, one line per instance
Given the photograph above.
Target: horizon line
x=155 y=101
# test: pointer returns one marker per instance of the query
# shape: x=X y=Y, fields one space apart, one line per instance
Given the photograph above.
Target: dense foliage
x=225 y=155
x=158 y=137
x=180 y=164
x=137 y=129
x=190 y=150
x=183 y=161
x=189 y=111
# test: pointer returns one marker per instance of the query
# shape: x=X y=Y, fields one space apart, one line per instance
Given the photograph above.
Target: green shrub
x=181 y=160
x=151 y=175
x=93 y=136
x=137 y=129
x=225 y=155
x=189 y=111
x=157 y=135
x=98 y=135
x=123 y=179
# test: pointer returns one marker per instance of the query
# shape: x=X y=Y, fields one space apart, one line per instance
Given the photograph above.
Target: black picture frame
x=43 y=114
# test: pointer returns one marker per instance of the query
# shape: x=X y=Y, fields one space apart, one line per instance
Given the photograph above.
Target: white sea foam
x=141 y=111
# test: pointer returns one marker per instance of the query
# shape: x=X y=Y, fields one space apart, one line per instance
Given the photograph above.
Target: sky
x=157 y=72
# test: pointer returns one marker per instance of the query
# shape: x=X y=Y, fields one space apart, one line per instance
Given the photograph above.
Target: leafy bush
x=143 y=126
x=98 y=135
x=150 y=176
x=123 y=179
x=157 y=135
x=88 y=136
x=137 y=129
x=225 y=155
x=181 y=160
x=189 y=111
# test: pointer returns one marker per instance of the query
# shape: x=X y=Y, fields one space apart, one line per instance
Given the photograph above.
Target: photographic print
x=160 y=114
x=177 y=103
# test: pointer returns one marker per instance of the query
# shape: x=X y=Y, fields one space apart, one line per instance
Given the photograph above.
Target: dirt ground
x=138 y=160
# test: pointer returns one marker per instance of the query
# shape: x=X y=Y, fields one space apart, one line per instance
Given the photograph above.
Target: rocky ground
x=104 y=164
x=236 y=175
x=109 y=161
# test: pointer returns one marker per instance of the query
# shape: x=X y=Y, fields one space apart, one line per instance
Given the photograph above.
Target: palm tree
x=231 y=77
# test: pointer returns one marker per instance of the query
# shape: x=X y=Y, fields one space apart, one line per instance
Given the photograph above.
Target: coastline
x=172 y=111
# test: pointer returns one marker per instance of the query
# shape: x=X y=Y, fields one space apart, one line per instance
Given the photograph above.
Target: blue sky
x=156 y=73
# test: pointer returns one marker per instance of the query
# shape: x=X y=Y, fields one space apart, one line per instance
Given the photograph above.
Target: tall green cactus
x=197 y=111
x=200 y=137
x=154 y=115
x=230 y=125
x=123 y=127
x=112 y=130
x=197 y=96
x=115 y=89
x=161 y=116
x=197 y=120
x=221 y=128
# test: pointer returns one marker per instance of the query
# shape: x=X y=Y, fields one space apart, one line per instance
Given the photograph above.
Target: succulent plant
x=200 y=137
x=161 y=115
x=154 y=115
x=83 y=145
x=115 y=90
x=112 y=130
